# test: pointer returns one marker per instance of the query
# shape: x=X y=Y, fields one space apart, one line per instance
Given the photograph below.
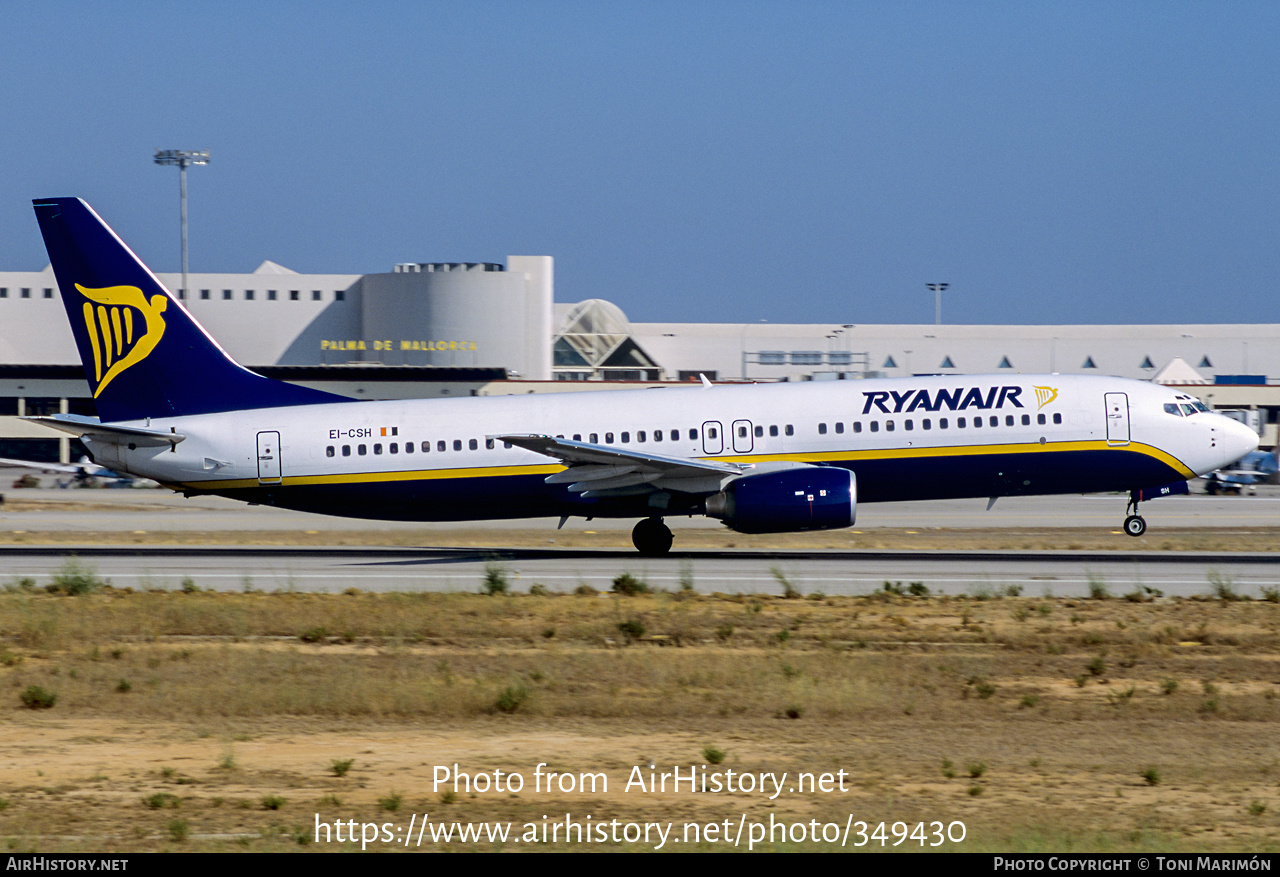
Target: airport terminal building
x=450 y=328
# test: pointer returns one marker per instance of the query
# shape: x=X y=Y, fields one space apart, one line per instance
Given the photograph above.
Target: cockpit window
x=1188 y=409
x=1200 y=406
x=1172 y=408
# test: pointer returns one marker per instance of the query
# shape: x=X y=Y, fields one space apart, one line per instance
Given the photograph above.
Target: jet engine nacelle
x=803 y=498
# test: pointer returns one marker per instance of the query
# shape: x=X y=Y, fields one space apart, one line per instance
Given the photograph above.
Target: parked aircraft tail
x=144 y=355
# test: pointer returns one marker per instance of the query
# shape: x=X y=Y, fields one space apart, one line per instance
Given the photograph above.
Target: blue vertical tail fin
x=143 y=353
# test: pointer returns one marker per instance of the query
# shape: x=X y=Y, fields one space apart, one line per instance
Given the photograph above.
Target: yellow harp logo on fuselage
x=1045 y=395
x=118 y=338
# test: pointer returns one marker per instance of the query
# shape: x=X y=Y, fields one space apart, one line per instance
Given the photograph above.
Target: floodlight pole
x=938 y=289
x=182 y=158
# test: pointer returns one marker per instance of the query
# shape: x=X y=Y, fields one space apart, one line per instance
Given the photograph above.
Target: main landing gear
x=651 y=537
x=1134 y=524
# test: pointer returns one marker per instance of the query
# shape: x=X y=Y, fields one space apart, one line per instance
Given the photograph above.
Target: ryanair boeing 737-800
x=174 y=407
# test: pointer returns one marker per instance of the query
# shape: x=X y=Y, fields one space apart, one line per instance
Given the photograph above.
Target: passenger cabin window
x=473 y=444
x=488 y=443
x=888 y=426
x=994 y=421
x=840 y=428
x=377 y=449
x=960 y=423
x=440 y=446
x=1026 y=420
x=875 y=426
x=908 y=425
x=759 y=431
x=608 y=438
x=426 y=447
x=773 y=430
x=362 y=450
x=822 y=429
x=1040 y=419
x=857 y=426
x=926 y=424
x=594 y=438
x=790 y=430
x=328 y=452
x=640 y=436
x=626 y=438
x=1057 y=418
x=393 y=448
x=346 y=450
x=1008 y=420
x=942 y=423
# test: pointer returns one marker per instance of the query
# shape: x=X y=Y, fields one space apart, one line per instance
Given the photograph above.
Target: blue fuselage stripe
x=878 y=480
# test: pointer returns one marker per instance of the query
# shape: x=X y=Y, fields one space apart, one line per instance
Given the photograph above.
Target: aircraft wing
x=1236 y=476
x=66 y=468
x=601 y=470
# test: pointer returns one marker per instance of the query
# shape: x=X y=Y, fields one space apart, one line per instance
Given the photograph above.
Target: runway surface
x=126 y=510
x=427 y=568
x=1035 y=574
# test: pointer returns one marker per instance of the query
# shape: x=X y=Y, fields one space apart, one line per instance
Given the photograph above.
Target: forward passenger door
x=1117 y=418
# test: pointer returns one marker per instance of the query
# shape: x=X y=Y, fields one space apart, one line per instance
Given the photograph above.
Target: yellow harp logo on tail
x=123 y=329
x=1045 y=395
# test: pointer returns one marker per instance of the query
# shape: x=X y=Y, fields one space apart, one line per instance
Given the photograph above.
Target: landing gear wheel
x=651 y=537
x=1134 y=525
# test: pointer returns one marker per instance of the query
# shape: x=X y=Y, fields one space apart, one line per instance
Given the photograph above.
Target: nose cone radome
x=1236 y=440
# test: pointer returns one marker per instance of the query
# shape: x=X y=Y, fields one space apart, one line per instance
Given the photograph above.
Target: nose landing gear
x=1134 y=524
x=651 y=537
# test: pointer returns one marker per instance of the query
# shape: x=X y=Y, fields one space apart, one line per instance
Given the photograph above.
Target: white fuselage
x=909 y=438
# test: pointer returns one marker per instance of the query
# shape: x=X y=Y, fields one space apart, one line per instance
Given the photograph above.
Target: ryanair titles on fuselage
x=956 y=399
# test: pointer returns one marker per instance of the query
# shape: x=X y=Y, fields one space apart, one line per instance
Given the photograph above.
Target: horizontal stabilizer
x=88 y=427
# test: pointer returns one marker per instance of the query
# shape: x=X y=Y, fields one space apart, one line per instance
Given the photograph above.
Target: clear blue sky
x=707 y=161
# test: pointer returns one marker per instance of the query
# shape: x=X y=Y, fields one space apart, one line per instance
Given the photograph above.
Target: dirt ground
x=1038 y=724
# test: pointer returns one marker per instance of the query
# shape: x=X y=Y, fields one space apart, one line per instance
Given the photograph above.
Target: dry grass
x=881 y=538
x=224 y=688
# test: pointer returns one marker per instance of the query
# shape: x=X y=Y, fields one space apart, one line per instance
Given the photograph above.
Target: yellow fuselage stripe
x=816 y=457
